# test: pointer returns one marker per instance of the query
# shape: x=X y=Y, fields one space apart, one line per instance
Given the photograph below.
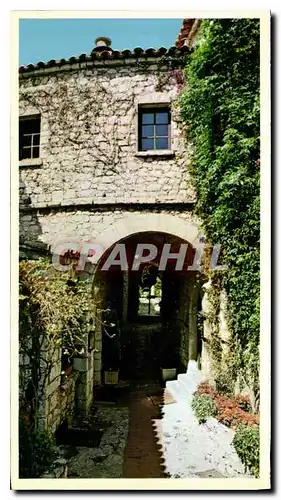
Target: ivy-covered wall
x=220 y=106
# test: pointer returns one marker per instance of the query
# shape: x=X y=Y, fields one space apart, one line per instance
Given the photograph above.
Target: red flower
x=231 y=410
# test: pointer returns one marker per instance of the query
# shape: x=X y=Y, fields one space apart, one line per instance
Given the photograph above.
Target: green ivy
x=247 y=445
x=36 y=450
x=220 y=106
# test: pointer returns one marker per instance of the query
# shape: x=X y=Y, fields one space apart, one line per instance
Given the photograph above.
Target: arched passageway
x=148 y=312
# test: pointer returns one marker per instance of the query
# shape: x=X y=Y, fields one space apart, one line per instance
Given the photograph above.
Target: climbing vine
x=220 y=107
x=84 y=117
x=174 y=72
x=55 y=316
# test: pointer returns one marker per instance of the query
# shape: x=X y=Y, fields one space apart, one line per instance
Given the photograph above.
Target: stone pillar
x=99 y=290
x=98 y=355
x=84 y=367
x=193 y=337
x=206 y=308
x=125 y=294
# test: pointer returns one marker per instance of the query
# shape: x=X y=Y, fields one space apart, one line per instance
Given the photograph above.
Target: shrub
x=247 y=445
x=224 y=383
x=36 y=451
x=204 y=407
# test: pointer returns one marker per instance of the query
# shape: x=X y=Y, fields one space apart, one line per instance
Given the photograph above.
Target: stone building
x=103 y=159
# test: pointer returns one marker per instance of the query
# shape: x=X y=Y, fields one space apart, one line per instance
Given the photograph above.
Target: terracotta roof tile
x=184 y=32
x=104 y=55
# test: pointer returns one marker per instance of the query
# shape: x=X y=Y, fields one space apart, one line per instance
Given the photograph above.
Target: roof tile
x=138 y=52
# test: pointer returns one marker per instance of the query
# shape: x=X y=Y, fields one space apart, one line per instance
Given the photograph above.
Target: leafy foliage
x=247 y=445
x=55 y=315
x=61 y=303
x=203 y=407
x=220 y=108
x=36 y=451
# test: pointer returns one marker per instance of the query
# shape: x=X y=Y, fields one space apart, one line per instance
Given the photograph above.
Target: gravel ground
x=105 y=461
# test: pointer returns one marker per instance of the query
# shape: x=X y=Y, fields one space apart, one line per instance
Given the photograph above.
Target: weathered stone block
x=80 y=364
x=57 y=196
x=69 y=194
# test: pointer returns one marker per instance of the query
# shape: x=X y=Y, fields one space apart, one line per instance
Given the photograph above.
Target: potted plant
x=111 y=376
x=169 y=361
x=169 y=367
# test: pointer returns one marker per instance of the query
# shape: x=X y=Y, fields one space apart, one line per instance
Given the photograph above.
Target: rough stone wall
x=59 y=403
x=84 y=367
x=58 y=397
x=53 y=227
x=72 y=397
x=89 y=139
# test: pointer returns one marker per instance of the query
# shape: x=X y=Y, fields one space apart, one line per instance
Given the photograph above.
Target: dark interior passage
x=152 y=312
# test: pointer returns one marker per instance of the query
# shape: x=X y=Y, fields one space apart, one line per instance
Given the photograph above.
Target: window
x=29 y=138
x=149 y=291
x=154 y=129
x=150 y=300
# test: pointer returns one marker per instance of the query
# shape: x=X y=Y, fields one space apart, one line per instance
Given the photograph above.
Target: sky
x=45 y=39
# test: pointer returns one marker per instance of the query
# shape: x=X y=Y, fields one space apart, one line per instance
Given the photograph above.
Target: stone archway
x=127 y=228
x=128 y=225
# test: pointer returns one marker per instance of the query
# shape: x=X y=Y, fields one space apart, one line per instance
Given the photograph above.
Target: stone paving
x=105 y=461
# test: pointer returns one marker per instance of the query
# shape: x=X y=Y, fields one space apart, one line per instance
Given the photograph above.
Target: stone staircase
x=186 y=383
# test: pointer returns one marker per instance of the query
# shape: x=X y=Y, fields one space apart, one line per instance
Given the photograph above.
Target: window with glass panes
x=154 y=129
x=29 y=138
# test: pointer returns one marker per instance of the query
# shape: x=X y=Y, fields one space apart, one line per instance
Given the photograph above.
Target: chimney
x=103 y=43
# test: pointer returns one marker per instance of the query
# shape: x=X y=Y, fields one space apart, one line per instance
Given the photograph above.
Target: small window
x=29 y=138
x=154 y=129
x=150 y=299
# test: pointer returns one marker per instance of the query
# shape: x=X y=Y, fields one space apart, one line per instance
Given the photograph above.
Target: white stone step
x=186 y=383
x=176 y=389
x=190 y=381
